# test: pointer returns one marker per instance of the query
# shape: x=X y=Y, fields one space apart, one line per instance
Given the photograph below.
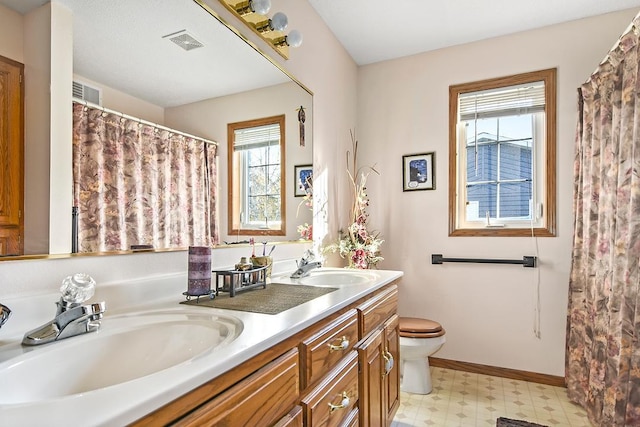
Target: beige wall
x=11 y=38
x=61 y=119
x=487 y=310
x=37 y=61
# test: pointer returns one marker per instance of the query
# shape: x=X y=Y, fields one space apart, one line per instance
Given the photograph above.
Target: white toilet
x=419 y=338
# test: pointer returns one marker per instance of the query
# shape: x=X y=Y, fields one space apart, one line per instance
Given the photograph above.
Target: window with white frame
x=502 y=156
x=256 y=180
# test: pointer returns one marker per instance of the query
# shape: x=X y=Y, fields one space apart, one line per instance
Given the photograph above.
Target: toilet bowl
x=419 y=338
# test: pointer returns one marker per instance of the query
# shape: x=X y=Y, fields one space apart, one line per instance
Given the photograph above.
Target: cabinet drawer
x=332 y=401
x=375 y=311
x=320 y=352
x=292 y=419
x=261 y=399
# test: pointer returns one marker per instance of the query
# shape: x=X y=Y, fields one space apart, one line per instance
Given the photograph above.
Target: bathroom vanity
x=330 y=361
x=341 y=370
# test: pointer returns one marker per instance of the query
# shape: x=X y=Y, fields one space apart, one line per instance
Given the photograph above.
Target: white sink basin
x=337 y=277
x=126 y=348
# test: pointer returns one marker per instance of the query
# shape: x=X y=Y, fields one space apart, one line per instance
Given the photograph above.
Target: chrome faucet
x=305 y=265
x=72 y=318
x=5 y=312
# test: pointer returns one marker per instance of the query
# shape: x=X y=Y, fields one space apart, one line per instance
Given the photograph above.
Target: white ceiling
x=377 y=30
x=120 y=43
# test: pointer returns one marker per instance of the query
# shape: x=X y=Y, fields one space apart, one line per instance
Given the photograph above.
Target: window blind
x=256 y=137
x=507 y=101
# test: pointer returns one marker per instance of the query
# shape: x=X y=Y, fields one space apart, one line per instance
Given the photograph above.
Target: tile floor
x=465 y=399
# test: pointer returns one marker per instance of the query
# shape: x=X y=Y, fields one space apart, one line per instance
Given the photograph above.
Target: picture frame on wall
x=303 y=179
x=418 y=172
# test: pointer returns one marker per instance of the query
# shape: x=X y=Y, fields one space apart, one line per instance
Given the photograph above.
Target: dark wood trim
x=495 y=371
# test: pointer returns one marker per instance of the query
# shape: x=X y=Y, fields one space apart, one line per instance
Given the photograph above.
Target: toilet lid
x=419 y=326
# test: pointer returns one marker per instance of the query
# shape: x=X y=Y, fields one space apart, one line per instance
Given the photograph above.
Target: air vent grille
x=184 y=40
x=87 y=93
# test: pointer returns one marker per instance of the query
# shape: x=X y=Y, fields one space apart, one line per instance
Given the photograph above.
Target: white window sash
x=538 y=186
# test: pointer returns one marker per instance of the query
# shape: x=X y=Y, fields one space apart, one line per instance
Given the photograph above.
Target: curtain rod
x=139 y=120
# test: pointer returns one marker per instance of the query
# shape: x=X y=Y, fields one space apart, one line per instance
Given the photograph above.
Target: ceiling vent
x=184 y=40
x=87 y=93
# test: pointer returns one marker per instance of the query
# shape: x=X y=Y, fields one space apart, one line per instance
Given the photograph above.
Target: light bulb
x=261 y=7
x=279 y=22
x=294 y=38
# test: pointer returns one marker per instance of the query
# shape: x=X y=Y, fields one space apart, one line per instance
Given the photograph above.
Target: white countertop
x=126 y=402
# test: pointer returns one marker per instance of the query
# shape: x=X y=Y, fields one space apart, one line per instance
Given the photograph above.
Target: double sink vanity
x=330 y=361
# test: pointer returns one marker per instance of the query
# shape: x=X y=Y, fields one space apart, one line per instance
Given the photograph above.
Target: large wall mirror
x=167 y=62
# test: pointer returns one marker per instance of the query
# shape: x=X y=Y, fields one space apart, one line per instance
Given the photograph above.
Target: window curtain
x=139 y=185
x=603 y=350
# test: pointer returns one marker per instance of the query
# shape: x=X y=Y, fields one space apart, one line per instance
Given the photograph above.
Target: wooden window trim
x=234 y=225
x=549 y=205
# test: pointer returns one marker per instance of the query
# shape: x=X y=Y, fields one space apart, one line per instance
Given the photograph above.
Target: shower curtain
x=603 y=328
x=139 y=185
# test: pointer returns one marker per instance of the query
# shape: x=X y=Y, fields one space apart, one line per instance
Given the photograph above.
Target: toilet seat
x=413 y=327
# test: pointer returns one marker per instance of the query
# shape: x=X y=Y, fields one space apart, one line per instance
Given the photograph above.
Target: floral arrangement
x=306 y=230
x=360 y=247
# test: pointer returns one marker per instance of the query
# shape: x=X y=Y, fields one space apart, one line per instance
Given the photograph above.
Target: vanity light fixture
x=261 y=7
x=254 y=14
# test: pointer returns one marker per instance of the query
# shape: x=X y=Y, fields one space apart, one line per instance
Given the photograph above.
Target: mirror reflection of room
x=152 y=82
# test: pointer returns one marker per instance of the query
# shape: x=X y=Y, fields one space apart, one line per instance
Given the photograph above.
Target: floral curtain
x=135 y=184
x=603 y=350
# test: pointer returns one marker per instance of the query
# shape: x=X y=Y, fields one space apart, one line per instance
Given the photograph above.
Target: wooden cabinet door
x=380 y=375
x=11 y=157
x=391 y=381
x=371 y=361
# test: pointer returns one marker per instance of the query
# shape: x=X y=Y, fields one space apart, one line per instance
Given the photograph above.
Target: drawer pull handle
x=344 y=344
x=343 y=403
x=388 y=362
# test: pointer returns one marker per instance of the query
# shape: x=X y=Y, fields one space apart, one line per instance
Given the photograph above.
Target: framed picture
x=304 y=179
x=418 y=172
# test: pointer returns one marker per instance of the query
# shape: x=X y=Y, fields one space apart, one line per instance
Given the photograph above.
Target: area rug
x=508 y=422
x=275 y=299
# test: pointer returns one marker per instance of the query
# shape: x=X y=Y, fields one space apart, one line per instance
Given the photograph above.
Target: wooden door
x=371 y=381
x=391 y=350
x=11 y=157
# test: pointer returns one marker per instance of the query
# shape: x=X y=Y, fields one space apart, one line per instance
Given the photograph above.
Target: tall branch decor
x=356 y=244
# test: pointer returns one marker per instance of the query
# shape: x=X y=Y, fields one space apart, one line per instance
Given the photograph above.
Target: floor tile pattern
x=461 y=399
